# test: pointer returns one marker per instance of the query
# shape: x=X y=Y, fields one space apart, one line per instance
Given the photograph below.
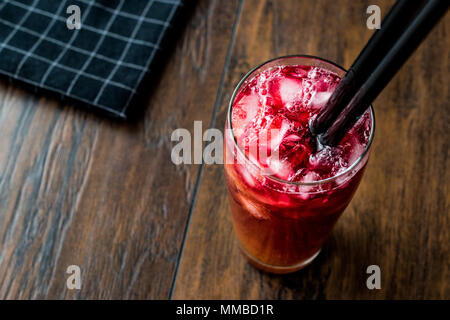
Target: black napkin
x=102 y=63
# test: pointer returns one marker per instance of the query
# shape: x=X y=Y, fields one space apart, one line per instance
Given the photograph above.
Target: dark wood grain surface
x=84 y=190
x=79 y=188
x=399 y=217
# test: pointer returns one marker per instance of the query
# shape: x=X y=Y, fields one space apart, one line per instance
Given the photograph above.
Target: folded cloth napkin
x=100 y=61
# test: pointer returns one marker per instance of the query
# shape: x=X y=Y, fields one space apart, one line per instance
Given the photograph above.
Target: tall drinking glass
x=281 y=225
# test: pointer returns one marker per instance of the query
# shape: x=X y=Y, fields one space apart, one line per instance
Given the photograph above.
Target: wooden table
x=81 y=189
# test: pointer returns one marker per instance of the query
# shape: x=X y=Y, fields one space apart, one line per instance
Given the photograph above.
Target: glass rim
x=272 y=177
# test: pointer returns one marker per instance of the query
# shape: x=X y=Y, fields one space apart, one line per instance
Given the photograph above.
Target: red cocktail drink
x=286 y=191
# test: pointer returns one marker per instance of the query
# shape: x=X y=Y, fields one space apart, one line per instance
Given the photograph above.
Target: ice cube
x=355 y=151
x=245 y=110
x=246 y=175
x=311 y=176
x=271 y=135
x=314 y=73
x=290 y=90
x=279 y=167
x=276 y=135
x=324 y=160
x=319 y=99
x=305 y=190
x=257 y=211
x=295 y=71
x=292 y=138
x=297 y=156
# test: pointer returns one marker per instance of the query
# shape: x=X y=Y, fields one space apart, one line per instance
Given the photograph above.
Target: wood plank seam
x=212 y=123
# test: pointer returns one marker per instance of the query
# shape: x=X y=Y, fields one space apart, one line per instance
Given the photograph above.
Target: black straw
x=393 y=25
x=383 y=72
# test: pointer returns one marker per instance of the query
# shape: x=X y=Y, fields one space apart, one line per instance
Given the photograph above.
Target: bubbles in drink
x=290 y=91
x=272 y=112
